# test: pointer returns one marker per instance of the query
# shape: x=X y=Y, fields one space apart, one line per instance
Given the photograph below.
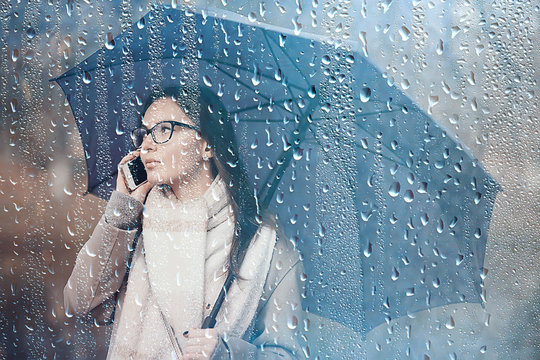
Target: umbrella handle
x=210 y=320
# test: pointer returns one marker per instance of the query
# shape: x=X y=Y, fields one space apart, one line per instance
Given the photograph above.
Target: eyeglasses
x=161 y=132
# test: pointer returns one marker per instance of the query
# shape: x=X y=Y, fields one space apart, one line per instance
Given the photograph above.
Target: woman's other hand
x=201 y=343
x=121 y=182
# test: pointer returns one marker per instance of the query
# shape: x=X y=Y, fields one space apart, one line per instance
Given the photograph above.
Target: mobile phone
x=134 y=172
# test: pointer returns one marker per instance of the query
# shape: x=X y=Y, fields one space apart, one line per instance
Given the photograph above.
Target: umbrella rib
x=285 y=156
x=210 y=61
x=262 y=120
x=365 y=114
x=246 y=86
x=213 y=62
x=286 y=55
x=378 y=102
x=398 y=161
x=275 y=60
x=266 y=104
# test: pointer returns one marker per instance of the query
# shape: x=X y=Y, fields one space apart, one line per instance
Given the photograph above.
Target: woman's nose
x=147 y=144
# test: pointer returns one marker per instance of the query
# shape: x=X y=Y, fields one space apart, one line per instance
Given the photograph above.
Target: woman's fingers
x=198 y=352
x=140 y=192
x=131 y=155
x=201 y=343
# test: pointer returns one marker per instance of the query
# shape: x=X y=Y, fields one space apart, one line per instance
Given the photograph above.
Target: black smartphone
x=134 y=172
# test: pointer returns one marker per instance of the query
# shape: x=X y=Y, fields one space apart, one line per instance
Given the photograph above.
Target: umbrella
x=389 y=211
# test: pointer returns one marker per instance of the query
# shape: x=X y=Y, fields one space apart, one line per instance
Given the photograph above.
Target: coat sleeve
x=279 y=322
x=102 y=262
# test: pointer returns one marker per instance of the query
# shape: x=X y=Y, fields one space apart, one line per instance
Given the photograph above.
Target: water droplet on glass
x=119 y=128
x=404 y=32
x=256 y=78
x=14 y=55
x=326 y=60
x=312 y=92
x=409 y=196
x=405 y=84
x=386 y=5
x=450 y=323
x=479 y=49
x=394 y=189
x=424 y=218
x=87 y=78
x=297 y=26
x=440 y=47
x=471 y=79
x=30 y=32
x=395 y=274
x=422 y=188
x=109 y=44
x=89 y=252
x=292 y=323
x=474 y=104
x=365 y=94
x=368 y=250
x=207 y=81
x=141 y=23
x=440 y=226
x=365 y=215
x=297 y=153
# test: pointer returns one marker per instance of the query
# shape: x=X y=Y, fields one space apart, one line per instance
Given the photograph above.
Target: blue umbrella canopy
x=390 y=213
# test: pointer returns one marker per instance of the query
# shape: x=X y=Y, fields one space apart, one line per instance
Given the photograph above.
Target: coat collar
x=217 y=201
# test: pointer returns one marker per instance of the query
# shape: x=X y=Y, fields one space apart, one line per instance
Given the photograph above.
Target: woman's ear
x=207 y=153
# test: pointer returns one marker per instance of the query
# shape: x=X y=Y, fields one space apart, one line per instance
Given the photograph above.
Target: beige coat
x=97 y=286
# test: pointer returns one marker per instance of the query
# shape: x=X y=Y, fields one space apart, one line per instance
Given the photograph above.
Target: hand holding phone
x=131 y=179
x=134 y=173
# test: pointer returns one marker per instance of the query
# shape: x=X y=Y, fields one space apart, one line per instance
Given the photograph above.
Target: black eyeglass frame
x=151 y=131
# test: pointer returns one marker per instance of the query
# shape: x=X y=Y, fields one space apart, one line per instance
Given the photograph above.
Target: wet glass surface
x=396 y=143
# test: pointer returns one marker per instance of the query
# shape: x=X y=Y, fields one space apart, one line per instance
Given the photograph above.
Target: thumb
x=146 y=187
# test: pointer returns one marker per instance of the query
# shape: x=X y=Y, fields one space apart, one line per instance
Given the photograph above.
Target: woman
x=200 y=223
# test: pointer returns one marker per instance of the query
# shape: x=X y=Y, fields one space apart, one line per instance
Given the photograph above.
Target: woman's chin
x=155 y=178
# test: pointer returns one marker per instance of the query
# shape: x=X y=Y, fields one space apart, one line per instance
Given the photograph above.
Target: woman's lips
x=152 y=164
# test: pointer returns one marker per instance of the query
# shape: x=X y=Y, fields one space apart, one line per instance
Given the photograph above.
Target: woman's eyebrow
x=159 y=122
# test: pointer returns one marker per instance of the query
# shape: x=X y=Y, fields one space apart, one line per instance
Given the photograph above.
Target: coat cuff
x=123 y=211
x=221 y=352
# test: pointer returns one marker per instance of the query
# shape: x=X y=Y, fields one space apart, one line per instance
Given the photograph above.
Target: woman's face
x=180 y=159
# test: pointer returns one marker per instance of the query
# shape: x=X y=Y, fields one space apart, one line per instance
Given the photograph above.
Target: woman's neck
x=195 y=187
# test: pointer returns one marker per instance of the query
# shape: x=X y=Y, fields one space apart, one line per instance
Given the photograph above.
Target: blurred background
x=472 y=65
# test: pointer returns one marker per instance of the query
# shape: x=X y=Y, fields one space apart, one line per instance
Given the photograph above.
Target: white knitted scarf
x=185 y=246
